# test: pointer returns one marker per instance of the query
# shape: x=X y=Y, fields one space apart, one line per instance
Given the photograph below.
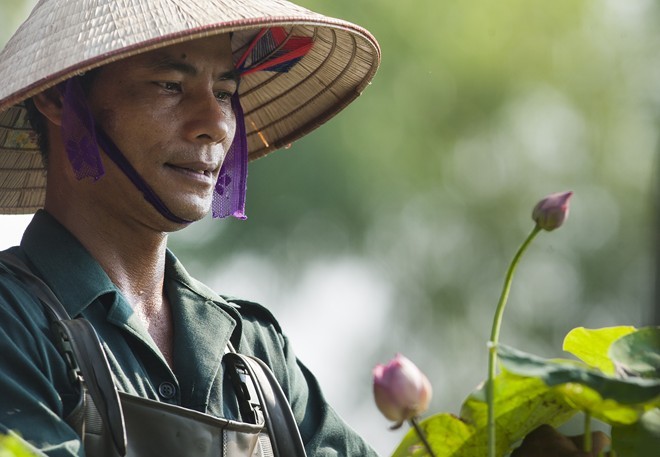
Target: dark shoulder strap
x=277 y=414
x=80 y=348
x=79 y=339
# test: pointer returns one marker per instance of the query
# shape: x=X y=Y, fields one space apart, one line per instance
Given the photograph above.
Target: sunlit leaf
x=592 y=345
x=629 y=390
x=521 y=404
x=12 y=446
x=638 y=353
x=584 y=398
x=446 y=434
x=641 y=439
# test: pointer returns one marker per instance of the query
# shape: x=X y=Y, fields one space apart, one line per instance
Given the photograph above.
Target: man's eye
x=222 y=95
x=170 y=86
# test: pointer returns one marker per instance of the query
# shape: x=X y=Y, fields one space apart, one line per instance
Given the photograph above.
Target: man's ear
x=49 y=103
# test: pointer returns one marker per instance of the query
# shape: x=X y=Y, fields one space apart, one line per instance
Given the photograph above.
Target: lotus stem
x=587 y=444
x=494 y=339
x=422 y=436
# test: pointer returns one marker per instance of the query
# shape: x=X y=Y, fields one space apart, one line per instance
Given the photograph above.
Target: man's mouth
x=200 y=170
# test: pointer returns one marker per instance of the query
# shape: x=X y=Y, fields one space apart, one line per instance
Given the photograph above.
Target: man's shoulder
x=253 y=312
x=10 y=283
x=249 y=311
x=17 y=300
x=24 y=322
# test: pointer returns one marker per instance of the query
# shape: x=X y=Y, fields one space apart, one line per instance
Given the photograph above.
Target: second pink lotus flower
x=551 y=212
x=401 y=390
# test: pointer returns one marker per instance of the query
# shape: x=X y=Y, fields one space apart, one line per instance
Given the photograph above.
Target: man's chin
x=192 y=212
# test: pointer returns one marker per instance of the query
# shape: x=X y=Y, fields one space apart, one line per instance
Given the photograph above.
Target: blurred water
x=11 y=229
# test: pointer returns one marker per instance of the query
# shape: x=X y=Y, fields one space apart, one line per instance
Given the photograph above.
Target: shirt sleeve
x=31 y=406
x=323 y=431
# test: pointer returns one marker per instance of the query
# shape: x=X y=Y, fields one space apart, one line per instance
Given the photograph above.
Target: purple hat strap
x=112 y=151
x=79 y=131
x=82 y=137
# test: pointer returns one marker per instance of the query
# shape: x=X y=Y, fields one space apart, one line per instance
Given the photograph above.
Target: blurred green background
x=390 y=228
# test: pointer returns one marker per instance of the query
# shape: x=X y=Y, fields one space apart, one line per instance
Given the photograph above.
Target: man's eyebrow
x=168 y=63
x=232 y=74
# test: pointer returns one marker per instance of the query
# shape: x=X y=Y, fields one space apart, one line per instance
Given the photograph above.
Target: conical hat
x=62 y=38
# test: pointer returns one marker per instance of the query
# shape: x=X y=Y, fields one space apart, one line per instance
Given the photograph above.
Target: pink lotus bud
x=551 y=212
x=401 y=390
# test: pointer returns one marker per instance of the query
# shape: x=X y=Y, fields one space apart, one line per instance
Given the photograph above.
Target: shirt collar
x=64 y=264
x=76 y=277
x=187 y=286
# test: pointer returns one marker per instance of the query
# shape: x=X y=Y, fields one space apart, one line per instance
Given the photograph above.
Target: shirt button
x=167 y=390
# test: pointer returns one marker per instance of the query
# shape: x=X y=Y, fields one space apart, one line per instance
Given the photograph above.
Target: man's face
x=169 y=112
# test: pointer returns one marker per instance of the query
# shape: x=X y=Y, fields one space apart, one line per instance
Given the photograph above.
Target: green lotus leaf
x=641 y=439
x=592 y=345
x=584 y=398
x=638 y=353
x=447 y=435
x=521 y=404
x=627 y=391
x=12 y=445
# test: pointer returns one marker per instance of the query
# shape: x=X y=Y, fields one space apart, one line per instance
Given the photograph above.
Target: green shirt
x=35 y=391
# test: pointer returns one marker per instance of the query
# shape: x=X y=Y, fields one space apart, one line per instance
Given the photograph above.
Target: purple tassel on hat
x=271 y=50
x=229 y=193
x=78 y=129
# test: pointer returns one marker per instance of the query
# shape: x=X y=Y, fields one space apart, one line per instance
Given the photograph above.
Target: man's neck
x=134 y=259
x=132 y=255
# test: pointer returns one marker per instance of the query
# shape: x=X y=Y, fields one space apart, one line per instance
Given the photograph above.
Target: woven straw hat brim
x=63 y=38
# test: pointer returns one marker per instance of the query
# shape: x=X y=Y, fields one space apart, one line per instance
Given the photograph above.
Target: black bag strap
x=277 y=415
x=80 y=347
x=79 y=338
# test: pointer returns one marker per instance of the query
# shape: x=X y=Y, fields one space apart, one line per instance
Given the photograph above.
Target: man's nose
x=211 y=120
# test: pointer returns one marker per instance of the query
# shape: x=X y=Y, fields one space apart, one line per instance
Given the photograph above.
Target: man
x=146 y=113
